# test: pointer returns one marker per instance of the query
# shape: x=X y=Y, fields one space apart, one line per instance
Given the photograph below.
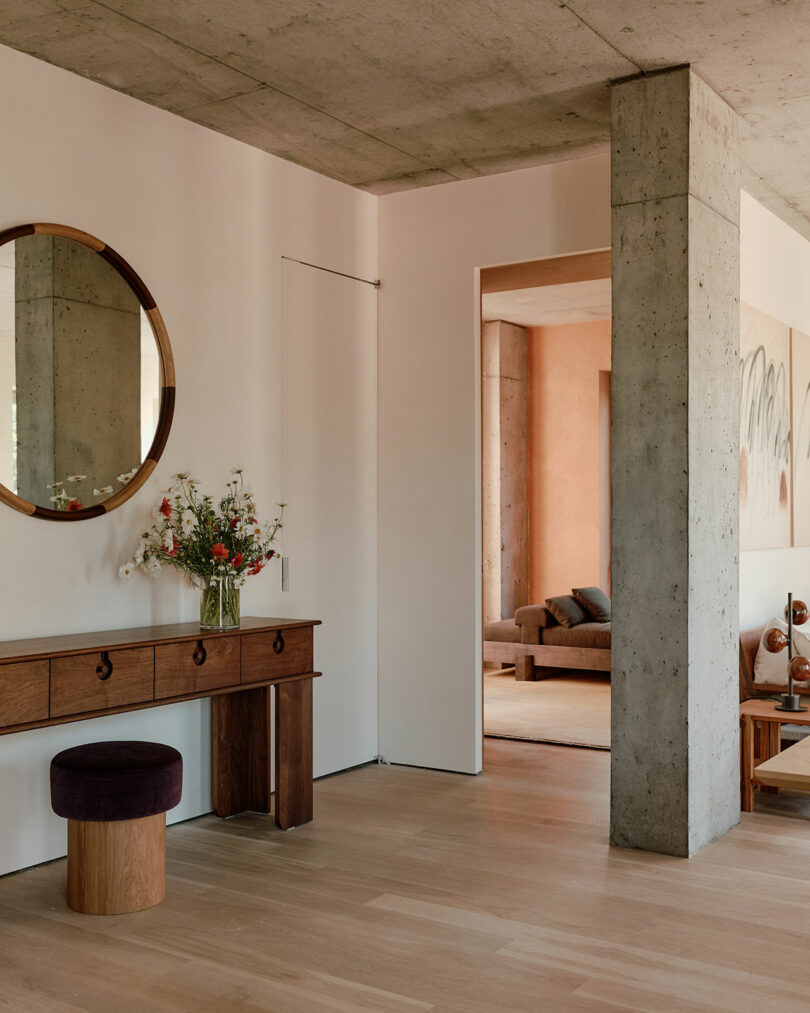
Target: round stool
x=115 y=796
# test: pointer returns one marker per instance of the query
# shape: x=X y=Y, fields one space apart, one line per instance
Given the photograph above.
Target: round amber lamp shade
x=799 y=668
x=800 y=613
x=776 y=641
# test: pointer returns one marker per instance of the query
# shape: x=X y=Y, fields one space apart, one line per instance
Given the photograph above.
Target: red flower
x=166 y=507
x=269 y=555
x=219 y=551
x=256 y=568
x=238 y=559
x=233 y=522
x=74 y=504
x=174 y=548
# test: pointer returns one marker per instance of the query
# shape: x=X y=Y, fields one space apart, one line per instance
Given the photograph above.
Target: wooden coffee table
x=760 y=741
x=788 y=769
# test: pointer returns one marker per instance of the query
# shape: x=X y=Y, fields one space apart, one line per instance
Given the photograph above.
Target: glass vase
x=219 y=604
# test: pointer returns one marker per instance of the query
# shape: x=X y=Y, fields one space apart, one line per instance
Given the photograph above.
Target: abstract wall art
x=765 y=447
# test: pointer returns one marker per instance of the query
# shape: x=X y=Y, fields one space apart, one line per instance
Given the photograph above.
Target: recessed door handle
x=278 y=643
x=200 y=654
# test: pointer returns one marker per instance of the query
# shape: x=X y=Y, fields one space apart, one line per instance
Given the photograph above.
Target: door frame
x=560 y=270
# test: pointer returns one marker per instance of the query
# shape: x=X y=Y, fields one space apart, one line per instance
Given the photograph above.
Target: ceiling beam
x=551 y=271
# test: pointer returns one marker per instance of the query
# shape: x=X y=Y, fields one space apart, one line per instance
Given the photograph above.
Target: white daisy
x=55 y=485
x=188 y=522
x=152 y=566
x=127 y=569
x=76 y=478
x=105 y=490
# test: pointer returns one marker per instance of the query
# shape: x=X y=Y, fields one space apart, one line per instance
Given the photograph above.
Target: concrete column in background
x=505 y=399
x=78 y=367
x=675 y=426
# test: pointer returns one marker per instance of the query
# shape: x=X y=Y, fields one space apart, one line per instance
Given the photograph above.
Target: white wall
x=205 y=221
x=432 y=243
x=775 y=278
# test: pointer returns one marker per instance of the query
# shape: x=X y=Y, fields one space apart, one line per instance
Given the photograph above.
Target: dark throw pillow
x=595 y=602
x=566 y=610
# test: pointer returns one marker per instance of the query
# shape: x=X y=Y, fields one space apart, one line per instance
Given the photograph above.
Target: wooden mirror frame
x=167 y=379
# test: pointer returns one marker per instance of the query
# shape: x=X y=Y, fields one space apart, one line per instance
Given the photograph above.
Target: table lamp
x=796 y=614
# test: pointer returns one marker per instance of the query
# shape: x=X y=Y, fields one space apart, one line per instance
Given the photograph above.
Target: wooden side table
x=760 y=739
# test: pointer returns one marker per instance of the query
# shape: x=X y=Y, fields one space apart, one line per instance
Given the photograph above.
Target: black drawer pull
x=200 y=654
x=278 y=643
x=104 y=670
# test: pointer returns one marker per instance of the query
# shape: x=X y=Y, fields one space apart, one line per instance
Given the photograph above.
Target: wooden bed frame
x=527 y=657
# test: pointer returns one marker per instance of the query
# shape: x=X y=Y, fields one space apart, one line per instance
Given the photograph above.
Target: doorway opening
x=545 y=360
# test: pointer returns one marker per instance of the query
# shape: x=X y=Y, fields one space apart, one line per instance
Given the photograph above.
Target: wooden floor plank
x=417 y=891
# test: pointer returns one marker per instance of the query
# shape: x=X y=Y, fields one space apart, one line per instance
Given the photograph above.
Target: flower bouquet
x=71 y=502
x=217 y=546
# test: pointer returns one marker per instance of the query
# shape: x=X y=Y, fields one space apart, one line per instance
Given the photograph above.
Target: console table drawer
x=285 y=652
x=95 y=682
x=24 y=692
x=196 y=666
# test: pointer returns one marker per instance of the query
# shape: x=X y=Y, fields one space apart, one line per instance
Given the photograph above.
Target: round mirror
x=86 y=375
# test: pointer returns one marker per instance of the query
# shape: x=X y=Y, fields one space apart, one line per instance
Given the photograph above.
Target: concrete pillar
x=675 y=434
x=505 y=400
x=78 y=367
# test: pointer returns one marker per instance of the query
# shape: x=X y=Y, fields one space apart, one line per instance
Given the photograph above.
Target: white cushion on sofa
x=772 y=668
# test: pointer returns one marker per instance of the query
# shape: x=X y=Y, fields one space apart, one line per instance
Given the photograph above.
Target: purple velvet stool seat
x=115 y=796
x=108 y=781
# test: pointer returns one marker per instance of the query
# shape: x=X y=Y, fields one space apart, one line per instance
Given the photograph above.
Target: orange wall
x=564 y=494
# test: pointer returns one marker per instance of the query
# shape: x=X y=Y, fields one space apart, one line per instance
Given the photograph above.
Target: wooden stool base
x=116 y=868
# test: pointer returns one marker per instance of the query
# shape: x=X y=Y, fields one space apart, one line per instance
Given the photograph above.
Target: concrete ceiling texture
x=574 y=302
x=388 y=95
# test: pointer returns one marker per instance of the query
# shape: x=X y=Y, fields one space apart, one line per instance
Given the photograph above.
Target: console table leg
x=293 y=753
x=240 y=752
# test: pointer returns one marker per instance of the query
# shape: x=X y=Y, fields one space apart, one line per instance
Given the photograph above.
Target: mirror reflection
x=80 y=379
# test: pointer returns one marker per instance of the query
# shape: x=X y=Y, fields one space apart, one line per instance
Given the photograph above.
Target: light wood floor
x=418 y=890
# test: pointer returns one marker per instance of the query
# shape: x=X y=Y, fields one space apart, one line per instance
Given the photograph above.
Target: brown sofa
x=538 y=646
x=749 y=645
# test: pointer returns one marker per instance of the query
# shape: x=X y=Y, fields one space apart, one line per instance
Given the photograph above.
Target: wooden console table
x=56 y=680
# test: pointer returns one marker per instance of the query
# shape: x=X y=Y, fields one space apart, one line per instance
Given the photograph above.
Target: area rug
x=564 y=710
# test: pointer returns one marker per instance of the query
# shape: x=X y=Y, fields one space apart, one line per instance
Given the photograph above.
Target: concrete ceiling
x=387 y=95
x=550 y=304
